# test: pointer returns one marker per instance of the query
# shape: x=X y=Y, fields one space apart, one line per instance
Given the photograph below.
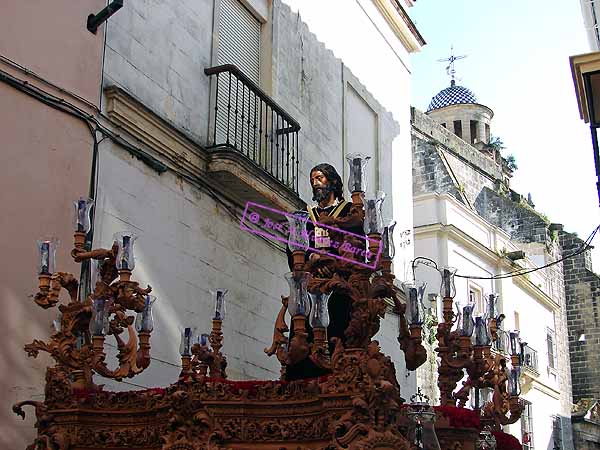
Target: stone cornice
x=457 y=235
x=401 y=24
x=163 y=139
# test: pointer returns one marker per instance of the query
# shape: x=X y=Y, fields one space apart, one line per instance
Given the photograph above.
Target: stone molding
x=478 y=248
x=163 y=139
x=233 y=175
x=401 y=25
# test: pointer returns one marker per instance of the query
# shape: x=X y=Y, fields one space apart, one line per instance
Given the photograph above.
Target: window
x=476 y=297
x=557 y=433
x=458 y=128
x=473 y=129
x=478 y=397
x=239 y=44
x=517 y=324
x=527 y=426
x=487 y=132
x=551 y=344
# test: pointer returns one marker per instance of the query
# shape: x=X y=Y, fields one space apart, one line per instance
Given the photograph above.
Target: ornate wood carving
x=356 y=407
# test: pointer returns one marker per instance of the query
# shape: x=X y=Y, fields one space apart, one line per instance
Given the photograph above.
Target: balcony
x=253 y=142
x=530 y=360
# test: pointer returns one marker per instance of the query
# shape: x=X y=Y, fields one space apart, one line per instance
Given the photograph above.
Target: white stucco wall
x=188 y=241
x=474 y=257
x=377 y=58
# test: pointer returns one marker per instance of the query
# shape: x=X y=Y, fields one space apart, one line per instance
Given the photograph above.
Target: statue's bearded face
x=321 y=186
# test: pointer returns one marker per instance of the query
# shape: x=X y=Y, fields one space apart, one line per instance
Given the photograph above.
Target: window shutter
x=551 y=343
x=239 y=44
x=239 y=38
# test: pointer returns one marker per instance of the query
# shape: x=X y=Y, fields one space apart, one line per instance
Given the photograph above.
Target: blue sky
x=518 y=65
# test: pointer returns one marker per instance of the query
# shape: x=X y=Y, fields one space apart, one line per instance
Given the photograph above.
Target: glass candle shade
x=187 y=339
x=373 y=216
x=447 y=288
x=514 y=343
x=486 y=440
x=83 y=210
x=514 y=385
x=319 y=315
x=99 y=324
x=357 y=182
x=144 y=322
x=79 y=340
x=125 y=258
x=298 y=239
x=204 y=339
x=47 y=255
x=492 y=306
x=421 y=427
x=57 y=323
x=467 y=323
x=387 y=241
x=219 y=296
x=482 y=396
x=299 y=301
x=482 y=334
x=415 y=309
x=95 y=273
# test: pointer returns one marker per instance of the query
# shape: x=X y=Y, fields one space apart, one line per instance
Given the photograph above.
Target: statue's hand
x=327 y=220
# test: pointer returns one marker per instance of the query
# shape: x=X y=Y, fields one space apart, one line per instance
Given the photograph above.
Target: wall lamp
x=95 y=20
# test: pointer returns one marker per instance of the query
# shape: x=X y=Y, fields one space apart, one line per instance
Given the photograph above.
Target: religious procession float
x=337 y=389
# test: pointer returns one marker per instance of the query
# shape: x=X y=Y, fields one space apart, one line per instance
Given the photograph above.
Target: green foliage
x=511 y=162
x=495 y=143
x=430 y=327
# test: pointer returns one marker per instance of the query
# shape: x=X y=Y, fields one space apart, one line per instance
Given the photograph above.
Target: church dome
x=452 y=95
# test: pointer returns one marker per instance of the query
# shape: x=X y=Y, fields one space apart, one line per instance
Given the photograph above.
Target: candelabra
x=198 y=359
x=77 y=344
x=468 y=349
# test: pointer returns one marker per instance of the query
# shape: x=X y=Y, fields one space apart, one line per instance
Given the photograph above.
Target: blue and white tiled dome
x=452 y=95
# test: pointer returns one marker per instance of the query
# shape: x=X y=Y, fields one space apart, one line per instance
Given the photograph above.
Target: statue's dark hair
x=333 y=177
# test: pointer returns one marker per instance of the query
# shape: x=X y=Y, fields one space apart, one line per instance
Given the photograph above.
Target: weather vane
x=450 y=67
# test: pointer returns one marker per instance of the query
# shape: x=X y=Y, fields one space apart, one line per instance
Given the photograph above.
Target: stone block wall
x=430 y=174
x=586 y=435
x=582 y=288
x=157 y=51
x=444 y=163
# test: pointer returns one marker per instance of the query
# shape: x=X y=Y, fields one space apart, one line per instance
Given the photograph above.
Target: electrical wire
x=95 y=126
x=514 y=273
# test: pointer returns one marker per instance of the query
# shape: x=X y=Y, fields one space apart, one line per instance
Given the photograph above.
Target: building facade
x=581 y=289
x=210 y=137
x=467 y=217
x=47 y=151
x=172 y=116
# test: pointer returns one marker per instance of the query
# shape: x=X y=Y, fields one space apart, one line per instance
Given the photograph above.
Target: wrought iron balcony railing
x=530 y=358
x=502 y=342
x=247 y=120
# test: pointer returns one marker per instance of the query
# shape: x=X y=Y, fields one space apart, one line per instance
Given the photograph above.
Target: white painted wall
x=188 y=241
x=535 y=309
x=377 y=58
